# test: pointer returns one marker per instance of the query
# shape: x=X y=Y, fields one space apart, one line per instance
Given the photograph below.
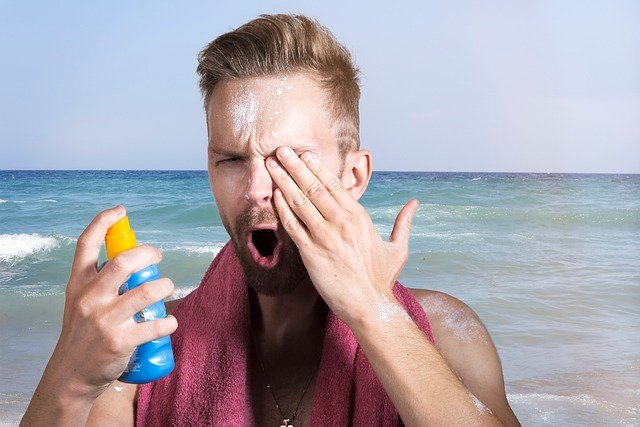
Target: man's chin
x=280 y=279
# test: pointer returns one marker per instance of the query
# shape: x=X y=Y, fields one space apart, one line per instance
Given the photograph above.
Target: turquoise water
x=551 y=263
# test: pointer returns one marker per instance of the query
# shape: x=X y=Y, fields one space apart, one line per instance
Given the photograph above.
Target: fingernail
x=310 y=158
x=273 y=162
x=119 y=209
x=285 y=152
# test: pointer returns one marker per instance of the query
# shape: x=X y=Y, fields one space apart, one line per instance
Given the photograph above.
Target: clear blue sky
x=543 y=86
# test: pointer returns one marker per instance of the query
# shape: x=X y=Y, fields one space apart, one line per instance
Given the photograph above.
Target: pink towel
x=210 y=386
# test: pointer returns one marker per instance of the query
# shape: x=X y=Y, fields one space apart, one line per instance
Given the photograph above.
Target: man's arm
x=98 y=336
x=417 y=378
x=116 y=406
x=465 y=344
x=354 y=269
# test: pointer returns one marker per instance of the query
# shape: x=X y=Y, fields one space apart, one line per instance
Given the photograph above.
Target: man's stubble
x=285 y=276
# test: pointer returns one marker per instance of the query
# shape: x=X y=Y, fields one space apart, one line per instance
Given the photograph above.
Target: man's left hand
x=351 y=266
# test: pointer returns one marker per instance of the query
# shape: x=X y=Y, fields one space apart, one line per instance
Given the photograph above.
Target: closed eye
x=231 y=159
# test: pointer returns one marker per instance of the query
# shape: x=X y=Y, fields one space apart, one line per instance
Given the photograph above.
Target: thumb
x=402 y=225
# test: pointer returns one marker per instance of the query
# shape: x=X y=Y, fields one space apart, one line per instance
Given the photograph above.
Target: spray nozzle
x=120 y=237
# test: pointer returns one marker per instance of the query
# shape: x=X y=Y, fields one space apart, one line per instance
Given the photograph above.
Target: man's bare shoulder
x=453 y=321
x=117 y=404
x=460 y=336
x=466 y=346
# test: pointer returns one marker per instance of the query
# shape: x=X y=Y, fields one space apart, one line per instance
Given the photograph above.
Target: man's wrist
x=380 y=311
x=58 y=402
x=62 y=373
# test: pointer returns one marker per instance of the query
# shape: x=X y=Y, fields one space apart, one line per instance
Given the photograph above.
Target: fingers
x=291 y=223
x=123 y=265
x=85 y=259
x=331 y=182
x=402 y=225
x=304 y=191
x=133 y=301
x=152 y=330
x=296 y=192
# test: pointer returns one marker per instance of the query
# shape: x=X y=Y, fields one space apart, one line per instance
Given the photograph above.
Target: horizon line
x=390 y=171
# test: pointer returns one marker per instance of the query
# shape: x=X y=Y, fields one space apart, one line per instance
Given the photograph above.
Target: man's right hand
x=99 y=334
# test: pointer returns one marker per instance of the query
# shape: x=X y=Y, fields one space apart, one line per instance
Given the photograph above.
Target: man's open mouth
x=264 y=245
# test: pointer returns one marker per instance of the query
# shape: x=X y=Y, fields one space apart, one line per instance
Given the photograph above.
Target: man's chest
x=286 y=386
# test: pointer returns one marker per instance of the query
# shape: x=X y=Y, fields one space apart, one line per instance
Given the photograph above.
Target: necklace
x=286 y=422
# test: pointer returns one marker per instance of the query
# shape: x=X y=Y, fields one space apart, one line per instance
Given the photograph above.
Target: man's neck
x=284 y=322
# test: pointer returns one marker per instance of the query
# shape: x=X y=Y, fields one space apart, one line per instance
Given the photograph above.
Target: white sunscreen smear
x=457 y=320
x=118 y=389
x=482 y=409
x=387 y=311
x=255 y=106
x=244 y=111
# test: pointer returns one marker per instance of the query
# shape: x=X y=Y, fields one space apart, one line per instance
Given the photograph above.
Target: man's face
x=247 y=120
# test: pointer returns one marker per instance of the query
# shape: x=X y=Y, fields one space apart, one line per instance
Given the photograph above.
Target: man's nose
x=259 y=186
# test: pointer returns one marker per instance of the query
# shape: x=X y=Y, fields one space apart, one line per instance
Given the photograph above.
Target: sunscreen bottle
x=153 y=360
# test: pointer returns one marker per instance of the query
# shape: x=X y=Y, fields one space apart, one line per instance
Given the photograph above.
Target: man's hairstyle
x=283 y=44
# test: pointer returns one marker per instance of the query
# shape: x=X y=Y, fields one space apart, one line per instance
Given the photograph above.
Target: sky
x=510 y=86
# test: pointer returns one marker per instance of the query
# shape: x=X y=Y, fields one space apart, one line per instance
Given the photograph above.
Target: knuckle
x=113 y=343
x=299 y=200
x=407 y=224
x=331 y=246
x=83 y=307
x=169 y=287
x=360 y=210
x=104 y=213
x=149 y=292
x=159 y=328
x=343 y=219
x=315 y=190
x=128 y=303
x=83 y=240
x=120 y=264
x=292 y=224
x=296 y=166
x=155 y=251
x=103 y=325
x=334 y=185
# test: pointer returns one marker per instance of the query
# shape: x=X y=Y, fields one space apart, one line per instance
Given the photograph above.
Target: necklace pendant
x=286 y=423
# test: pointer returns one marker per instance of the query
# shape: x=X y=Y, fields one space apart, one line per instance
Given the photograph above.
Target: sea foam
x=204 y=249
x=181 y=292
x=15 y=247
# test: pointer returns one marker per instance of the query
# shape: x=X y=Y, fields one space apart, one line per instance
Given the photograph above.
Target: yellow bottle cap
x=120 y=237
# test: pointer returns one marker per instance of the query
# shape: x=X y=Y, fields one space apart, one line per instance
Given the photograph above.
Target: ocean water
x=550 y=262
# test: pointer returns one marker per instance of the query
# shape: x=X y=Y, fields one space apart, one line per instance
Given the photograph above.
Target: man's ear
x=357 y=172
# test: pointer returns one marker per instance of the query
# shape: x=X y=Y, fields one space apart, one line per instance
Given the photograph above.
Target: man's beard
x=285 y=276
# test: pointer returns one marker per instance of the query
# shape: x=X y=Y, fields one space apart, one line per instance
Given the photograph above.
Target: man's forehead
x=267 y=112
x=264 y=92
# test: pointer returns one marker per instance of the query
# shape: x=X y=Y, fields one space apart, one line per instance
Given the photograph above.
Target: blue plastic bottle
x=153 y=360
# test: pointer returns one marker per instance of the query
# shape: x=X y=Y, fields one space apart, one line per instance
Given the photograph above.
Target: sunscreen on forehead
x=153 y=360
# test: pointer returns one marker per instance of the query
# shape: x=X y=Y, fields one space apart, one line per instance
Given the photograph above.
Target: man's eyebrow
x=231 y=153
x=223 y=152
x=304 y=148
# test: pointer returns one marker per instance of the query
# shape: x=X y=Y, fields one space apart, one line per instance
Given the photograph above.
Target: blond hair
x=281 y=44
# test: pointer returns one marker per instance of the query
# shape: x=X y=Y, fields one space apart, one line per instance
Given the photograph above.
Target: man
x=285 y=169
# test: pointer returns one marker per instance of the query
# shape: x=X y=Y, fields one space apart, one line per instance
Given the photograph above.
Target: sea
x=550 y=263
